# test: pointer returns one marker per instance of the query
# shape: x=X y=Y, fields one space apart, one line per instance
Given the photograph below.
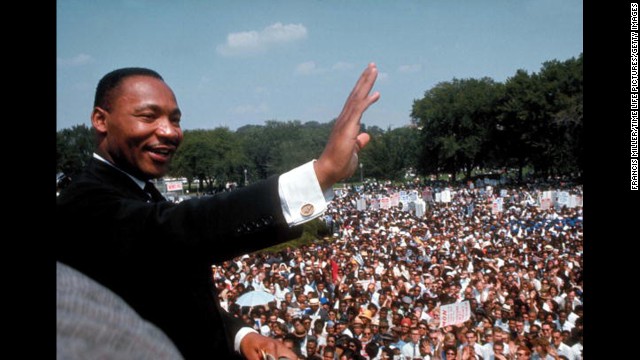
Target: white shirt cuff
x=301 y=197
x=240 y=335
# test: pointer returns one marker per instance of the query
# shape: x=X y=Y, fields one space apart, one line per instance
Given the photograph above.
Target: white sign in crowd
x=456 y=313
x=414 y=201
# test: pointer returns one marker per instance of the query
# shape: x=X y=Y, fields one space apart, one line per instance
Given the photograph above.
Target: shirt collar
x=138 y=182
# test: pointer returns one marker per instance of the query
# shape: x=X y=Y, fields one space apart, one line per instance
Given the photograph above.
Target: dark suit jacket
x=158 y=256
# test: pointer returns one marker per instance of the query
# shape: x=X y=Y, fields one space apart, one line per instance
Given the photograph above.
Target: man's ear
x=99 y=119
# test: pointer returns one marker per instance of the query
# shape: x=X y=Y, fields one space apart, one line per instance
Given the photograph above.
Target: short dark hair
x=112 y=80
x=371 y=349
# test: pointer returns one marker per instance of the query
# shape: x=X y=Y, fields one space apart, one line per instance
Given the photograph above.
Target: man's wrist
x=323 y=179
x=240 y=335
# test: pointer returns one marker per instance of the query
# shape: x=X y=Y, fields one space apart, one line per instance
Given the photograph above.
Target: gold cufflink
x=306 y=210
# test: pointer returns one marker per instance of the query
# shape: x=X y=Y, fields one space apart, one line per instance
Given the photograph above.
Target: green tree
x=280 y=146
x=457 y=119
x=520 y=121
x=540 y=119
x=390 y=154
x=211 y=156
x=74 y=148
x=563 y=86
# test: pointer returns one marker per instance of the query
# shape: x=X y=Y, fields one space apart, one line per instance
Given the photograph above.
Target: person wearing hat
x=357 y=327
x=375 y=330
x=316 y=312
x=406 y=303
x=299 y=335
x=501 y=320
x=366 y=317
x=405 y=325
x=387 y=339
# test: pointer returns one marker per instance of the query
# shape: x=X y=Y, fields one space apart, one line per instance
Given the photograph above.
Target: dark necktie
x=153 y=193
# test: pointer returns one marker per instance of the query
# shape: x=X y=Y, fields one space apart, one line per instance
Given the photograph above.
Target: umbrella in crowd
x=255 y=298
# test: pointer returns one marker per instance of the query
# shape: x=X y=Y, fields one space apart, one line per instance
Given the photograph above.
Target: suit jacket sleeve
x=209 y=229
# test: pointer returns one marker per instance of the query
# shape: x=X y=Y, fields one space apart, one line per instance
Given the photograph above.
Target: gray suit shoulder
x=94 y=323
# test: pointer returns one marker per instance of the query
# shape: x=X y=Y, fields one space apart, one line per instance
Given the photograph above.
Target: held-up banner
x=174 y=185
x=361 y=204
x=374 y=204
x=455 y=313
x=384 y=203
x=496 y=206
x=394 y=200
x=445 y=196
x=545 y=203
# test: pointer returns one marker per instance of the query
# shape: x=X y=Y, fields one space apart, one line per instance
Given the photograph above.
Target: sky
x=234 y=63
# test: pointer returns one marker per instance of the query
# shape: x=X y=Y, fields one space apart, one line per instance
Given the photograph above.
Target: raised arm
x=339 y=159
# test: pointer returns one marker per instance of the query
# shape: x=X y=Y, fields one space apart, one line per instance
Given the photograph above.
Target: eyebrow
x=156 y=108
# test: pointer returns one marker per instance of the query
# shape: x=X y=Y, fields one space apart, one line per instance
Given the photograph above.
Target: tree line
x=531 y=121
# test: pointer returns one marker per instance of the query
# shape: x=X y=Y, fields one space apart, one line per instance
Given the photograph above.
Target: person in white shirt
x=498 y=336
x=501 y=321
x=573 y=315
x=564 y=323
x=570 y=298
x=473 y=344
x=561 y=348
x=577 y=347
x=411 y=350
x=480 y=290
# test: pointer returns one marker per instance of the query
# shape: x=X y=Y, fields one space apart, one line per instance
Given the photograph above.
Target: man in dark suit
x=156 y=255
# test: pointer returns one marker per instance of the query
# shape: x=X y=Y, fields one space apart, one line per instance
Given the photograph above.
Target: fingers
x=365 y=83
x=359 y=99
x=270 y=349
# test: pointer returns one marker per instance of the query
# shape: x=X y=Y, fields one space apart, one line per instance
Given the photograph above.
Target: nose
x=169 y=130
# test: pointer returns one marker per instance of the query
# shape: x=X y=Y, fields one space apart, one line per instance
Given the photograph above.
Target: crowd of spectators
x=373 y=288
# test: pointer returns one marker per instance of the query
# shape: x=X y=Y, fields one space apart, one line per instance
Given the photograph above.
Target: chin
x=155 y=173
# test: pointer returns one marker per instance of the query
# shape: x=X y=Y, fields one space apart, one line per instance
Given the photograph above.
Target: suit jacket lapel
x=116 y=179
x=150 y=189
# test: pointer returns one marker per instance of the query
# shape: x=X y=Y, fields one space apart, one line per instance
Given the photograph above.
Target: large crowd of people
x=373 y=288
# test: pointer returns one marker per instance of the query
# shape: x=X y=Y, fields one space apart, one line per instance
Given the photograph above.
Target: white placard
x=456 y=313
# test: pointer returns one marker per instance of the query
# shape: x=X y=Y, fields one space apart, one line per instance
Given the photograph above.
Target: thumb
x=362 y=140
